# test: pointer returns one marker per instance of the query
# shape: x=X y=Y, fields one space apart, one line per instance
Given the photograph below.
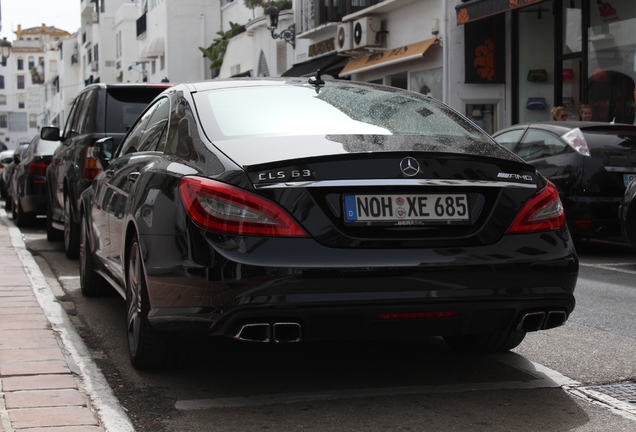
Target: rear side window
x=509 y=139
x=75 y=123
x=124 y=105
x=540 y=144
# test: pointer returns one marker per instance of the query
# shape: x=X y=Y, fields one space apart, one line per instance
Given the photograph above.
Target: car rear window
x=46 y=147
x=125 y=104
x=611 y=138
x=290 y=110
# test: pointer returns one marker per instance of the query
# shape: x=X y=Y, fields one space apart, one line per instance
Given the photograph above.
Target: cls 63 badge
x=285 y=175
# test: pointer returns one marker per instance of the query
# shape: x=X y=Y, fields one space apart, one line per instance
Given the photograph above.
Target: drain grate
x=622 y=392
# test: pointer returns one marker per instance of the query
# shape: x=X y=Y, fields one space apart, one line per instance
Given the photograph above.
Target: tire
x=71 y=231
x=485 y=342
x=149 y=348
x=52 y=234
x=21 y=218
x=7 y=203
x=92 y=283
x=630 y=220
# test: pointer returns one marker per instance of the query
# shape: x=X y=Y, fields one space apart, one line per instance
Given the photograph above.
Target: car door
x=137 y=152
x=59 y=161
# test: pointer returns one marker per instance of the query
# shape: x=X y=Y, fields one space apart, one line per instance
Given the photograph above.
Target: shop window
x=33 y=121
x=398 y=80
x=611 y=54
x=428 y=82
x=536 y=65
x=484 y=116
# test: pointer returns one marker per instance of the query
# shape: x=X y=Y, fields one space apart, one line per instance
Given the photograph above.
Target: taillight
x=219 y=207
x=542 y=212
x=90 y=169
x=38 y=169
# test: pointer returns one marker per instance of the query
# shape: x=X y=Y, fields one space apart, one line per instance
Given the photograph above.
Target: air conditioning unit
x=365 y=31
x=343 y=37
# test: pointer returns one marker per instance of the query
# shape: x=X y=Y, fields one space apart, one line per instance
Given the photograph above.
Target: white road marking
x=611 y=267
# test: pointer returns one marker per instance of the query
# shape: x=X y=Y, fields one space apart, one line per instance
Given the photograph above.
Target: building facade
x=22 y=78
x=499 y=62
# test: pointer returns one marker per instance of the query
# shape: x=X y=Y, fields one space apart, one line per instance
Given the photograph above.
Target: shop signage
x=322 y=47
x=478 y=9
x=485 y=51
x=384 y=58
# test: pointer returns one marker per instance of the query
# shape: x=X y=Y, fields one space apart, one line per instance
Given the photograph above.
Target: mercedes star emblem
x=409 y=166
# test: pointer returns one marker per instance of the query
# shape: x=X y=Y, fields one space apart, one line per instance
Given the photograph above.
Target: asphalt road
x=551 y=382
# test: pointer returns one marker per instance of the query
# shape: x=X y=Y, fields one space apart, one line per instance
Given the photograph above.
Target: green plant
x=216 y=51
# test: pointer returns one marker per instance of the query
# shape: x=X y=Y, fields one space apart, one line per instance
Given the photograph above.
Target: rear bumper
x=490 y=288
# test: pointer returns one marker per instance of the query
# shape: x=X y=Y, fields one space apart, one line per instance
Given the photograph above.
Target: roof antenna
x=317 y=81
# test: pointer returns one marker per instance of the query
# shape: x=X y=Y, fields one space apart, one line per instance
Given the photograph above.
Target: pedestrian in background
x=585 y=112
x=559 y=113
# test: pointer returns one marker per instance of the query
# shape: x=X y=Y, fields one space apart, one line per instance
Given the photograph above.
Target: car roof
x=275 y=81
x=125 y=85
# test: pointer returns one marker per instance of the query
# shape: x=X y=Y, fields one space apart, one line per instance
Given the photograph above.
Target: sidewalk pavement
x=48 y=382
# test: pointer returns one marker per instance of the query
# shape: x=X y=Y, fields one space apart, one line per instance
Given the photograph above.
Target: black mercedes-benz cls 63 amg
x=285 y=210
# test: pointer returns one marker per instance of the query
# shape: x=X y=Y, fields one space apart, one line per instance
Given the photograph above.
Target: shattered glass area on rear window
x=362 y=118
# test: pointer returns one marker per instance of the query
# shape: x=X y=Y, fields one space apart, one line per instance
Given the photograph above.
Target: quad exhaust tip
x=534 y=321
x=282 y=332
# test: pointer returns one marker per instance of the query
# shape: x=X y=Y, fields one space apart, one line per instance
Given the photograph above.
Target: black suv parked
x=99 y=110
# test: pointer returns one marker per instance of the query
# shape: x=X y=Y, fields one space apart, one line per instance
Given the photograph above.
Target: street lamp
x=288 y=35
x=5 y=50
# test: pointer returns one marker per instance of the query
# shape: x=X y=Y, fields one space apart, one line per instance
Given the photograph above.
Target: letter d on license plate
x=396 y=208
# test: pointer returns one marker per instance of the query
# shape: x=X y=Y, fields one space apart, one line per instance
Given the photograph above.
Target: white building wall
x=184 y=25
x=127 y=47
x=70 y=77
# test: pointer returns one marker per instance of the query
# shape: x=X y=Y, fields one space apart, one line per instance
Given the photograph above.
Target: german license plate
x=406 y=209
x=627 y=178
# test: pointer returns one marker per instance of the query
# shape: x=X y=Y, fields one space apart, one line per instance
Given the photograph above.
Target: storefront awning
x=330 y=64
x=477 y=9
x=156 y=47
x=385 y=58
x=143 y=55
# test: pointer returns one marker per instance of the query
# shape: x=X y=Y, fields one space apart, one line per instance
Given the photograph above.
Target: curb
x=102 y=400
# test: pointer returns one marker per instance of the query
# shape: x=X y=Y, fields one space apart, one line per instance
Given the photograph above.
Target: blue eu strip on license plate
x=396 y=208
x=627 y=178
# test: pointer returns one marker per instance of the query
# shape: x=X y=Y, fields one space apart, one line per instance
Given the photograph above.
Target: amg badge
x=525 y=177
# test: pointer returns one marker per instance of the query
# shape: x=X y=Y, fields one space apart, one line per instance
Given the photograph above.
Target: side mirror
x=50 y=133
x=103 y=151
